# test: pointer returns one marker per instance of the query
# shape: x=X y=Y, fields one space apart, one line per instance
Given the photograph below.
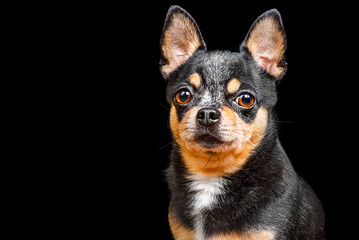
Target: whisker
x=182 y=123
x=165 y=107
x=239 y=132
x=163 y=147
x=208 y=160
x=219 y=161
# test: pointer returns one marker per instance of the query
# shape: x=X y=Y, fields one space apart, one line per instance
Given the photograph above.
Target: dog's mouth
x=208 y=141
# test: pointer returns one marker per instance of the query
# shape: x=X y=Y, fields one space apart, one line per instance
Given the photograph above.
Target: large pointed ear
x=266 y=42
x=180 y=39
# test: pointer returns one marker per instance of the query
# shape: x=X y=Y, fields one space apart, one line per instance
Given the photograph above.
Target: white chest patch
x=205 y=191
x=205 y=196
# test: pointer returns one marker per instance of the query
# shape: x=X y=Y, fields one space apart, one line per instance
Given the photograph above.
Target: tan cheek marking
x=183 y=131
x=174 y=121
x=253 y=133
x=194 y=160
x=227 y=161
x=231 y=158
x=179 y=231
x=250 y=235
x=229 y=117
x=233 y=86
x=195 y=80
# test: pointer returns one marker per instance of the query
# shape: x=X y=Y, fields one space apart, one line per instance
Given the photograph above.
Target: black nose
x=208 y=116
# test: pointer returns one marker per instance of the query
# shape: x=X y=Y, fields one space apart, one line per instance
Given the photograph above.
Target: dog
x=229 y=176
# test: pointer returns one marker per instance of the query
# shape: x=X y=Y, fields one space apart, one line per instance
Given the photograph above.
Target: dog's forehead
x=219 y=67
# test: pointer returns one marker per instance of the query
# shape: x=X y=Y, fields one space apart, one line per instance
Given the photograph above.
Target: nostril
x=201 y=115
x=214 y=115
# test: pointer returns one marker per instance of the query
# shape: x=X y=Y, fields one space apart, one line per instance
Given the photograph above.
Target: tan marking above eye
x=233 y=86
x=195 y=80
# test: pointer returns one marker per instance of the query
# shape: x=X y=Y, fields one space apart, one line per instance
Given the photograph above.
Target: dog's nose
x=208 y=116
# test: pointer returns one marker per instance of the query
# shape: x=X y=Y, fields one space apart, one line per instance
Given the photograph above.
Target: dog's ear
x=180 y=39
x=266 y=42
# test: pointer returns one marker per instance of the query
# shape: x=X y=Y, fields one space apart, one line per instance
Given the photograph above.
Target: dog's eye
x=245 y=100
x=183 y=96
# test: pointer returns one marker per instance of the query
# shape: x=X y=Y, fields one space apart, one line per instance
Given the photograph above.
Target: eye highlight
x=183 y=96
x=246 y=100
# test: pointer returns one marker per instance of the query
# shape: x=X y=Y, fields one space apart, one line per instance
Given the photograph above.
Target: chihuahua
x=229 y=175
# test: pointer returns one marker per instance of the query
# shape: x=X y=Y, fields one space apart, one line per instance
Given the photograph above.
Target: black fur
x=266 y=192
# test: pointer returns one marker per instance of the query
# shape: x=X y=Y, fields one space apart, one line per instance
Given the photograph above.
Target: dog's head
x=220 y=100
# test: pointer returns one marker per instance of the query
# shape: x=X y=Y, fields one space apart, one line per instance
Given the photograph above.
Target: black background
x=121 y=187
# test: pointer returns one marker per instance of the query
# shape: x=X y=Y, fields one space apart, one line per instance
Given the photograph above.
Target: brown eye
x=183 y=96
x=245 y=100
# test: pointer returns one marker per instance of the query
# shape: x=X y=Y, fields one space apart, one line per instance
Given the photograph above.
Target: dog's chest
x=205 y=195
